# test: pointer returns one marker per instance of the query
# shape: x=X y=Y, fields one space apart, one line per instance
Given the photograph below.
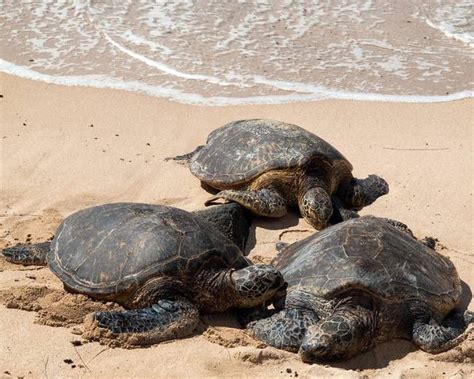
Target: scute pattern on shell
x=242 y=150
x=110 y=248
x=369 y=254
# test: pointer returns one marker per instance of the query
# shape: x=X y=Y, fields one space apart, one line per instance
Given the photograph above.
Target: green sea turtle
x=361 y=282
x=162 y=264
x=268 y=165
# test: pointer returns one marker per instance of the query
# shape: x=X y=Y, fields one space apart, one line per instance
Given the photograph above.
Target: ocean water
x=242 y=52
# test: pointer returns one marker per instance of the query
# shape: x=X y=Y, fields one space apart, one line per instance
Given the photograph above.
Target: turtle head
x=257 y=284
x=366 y=191
x=316 y=207
x=345 y=333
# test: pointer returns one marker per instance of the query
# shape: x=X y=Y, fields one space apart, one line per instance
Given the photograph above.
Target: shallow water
x=214 y=52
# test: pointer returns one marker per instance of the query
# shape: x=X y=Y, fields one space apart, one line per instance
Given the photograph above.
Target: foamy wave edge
x=98 y=81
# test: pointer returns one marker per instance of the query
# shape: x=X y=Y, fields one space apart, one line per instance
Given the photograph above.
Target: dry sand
x=67 y=148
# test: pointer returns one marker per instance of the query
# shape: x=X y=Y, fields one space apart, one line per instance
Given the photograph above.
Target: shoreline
x=315 y=93
x=67 y=148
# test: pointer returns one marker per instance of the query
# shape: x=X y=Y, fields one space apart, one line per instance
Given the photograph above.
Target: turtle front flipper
x=285 y=329
x=434 y=337
x=263 y=202
x=428 y=241
x=163 y=321
x=26 y=254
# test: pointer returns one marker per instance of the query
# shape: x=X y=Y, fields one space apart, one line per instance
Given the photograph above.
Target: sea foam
x=220 y=53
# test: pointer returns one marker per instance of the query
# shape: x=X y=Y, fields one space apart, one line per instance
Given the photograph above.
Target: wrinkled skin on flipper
x=264 y=202
x=163 y=321
x=429 y=242
x=435 y=337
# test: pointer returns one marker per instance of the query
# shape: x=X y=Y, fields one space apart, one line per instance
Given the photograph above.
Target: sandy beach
x=66 y=148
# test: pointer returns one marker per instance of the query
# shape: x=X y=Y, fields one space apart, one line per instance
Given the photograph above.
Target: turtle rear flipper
x=26 y=254
x=185 y=158
x=163 y=321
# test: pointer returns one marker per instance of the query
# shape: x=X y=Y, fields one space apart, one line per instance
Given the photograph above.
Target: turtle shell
x=370 y=255
x=242 y=150
x=112 y=248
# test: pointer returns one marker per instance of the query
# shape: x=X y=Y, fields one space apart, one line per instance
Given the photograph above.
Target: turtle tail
x=185 y=158
x=27 y=254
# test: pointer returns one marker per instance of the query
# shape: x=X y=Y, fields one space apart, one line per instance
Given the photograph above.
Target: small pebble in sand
x=1 y=96
x=76 y=343
x=68 y=361
x=24 y=124
x=91 y=125
x=288 y=370
x=148 y=144
x=116 y=135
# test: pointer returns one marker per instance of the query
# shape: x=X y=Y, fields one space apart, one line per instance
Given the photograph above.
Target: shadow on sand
x=379 y=357
x=281 y=223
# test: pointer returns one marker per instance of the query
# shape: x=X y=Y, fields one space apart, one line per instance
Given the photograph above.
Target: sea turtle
x=268 y=165
x=361 y=282
x=162 y=264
